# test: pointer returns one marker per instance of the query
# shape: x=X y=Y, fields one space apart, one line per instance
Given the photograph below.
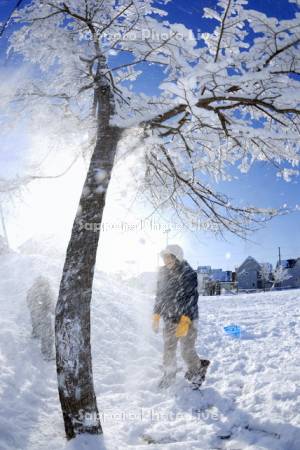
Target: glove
x=183 y=326
x=155 y=322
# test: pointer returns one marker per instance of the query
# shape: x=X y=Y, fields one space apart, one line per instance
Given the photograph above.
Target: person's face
x=169 y=261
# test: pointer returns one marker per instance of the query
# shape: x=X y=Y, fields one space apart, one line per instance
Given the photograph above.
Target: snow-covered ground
x=251 y=398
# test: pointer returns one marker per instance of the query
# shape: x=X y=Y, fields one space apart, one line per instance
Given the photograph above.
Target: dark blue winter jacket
x=177 y=293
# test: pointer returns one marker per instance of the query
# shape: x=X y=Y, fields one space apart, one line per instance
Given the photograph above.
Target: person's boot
x=197 y=376
x=167 y=380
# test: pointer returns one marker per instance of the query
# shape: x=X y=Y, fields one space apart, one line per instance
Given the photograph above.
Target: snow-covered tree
x=279 y=275
x=265 y=274
x=230 y=101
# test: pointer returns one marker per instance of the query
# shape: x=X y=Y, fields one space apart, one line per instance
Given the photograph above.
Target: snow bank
x=86 y=442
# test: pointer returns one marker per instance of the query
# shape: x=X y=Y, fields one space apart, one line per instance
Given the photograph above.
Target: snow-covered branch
x=231 y=102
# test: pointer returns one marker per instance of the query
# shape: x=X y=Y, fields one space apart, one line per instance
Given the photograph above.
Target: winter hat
x=174 y=250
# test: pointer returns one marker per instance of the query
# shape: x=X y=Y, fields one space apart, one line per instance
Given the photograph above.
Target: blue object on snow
x=233 y=330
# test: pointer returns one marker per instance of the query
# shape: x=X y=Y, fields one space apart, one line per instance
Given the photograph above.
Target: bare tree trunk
x=72 y=322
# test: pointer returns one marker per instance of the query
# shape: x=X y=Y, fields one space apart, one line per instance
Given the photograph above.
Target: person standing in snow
x=177 y=304
x=41 y=303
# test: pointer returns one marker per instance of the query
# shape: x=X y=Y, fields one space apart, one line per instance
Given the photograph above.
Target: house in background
x=293 y=269
x=248 y=274
x=215 y=281
x=206 y=270
x=221 y=275
x=203 y=273
x=252 y=275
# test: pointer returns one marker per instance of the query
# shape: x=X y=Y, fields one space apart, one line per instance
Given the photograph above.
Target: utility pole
x=279 y=256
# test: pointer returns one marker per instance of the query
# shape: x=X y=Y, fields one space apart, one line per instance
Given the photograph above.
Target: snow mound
x=4 y=247
x=86 y=442
x=45 y=245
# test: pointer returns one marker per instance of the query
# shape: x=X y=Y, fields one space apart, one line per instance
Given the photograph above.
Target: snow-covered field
x=251 y=398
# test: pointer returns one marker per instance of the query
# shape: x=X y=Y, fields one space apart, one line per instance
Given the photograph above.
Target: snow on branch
x=229 y=100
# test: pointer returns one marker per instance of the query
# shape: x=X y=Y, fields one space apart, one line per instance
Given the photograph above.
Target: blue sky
x=260 y=186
